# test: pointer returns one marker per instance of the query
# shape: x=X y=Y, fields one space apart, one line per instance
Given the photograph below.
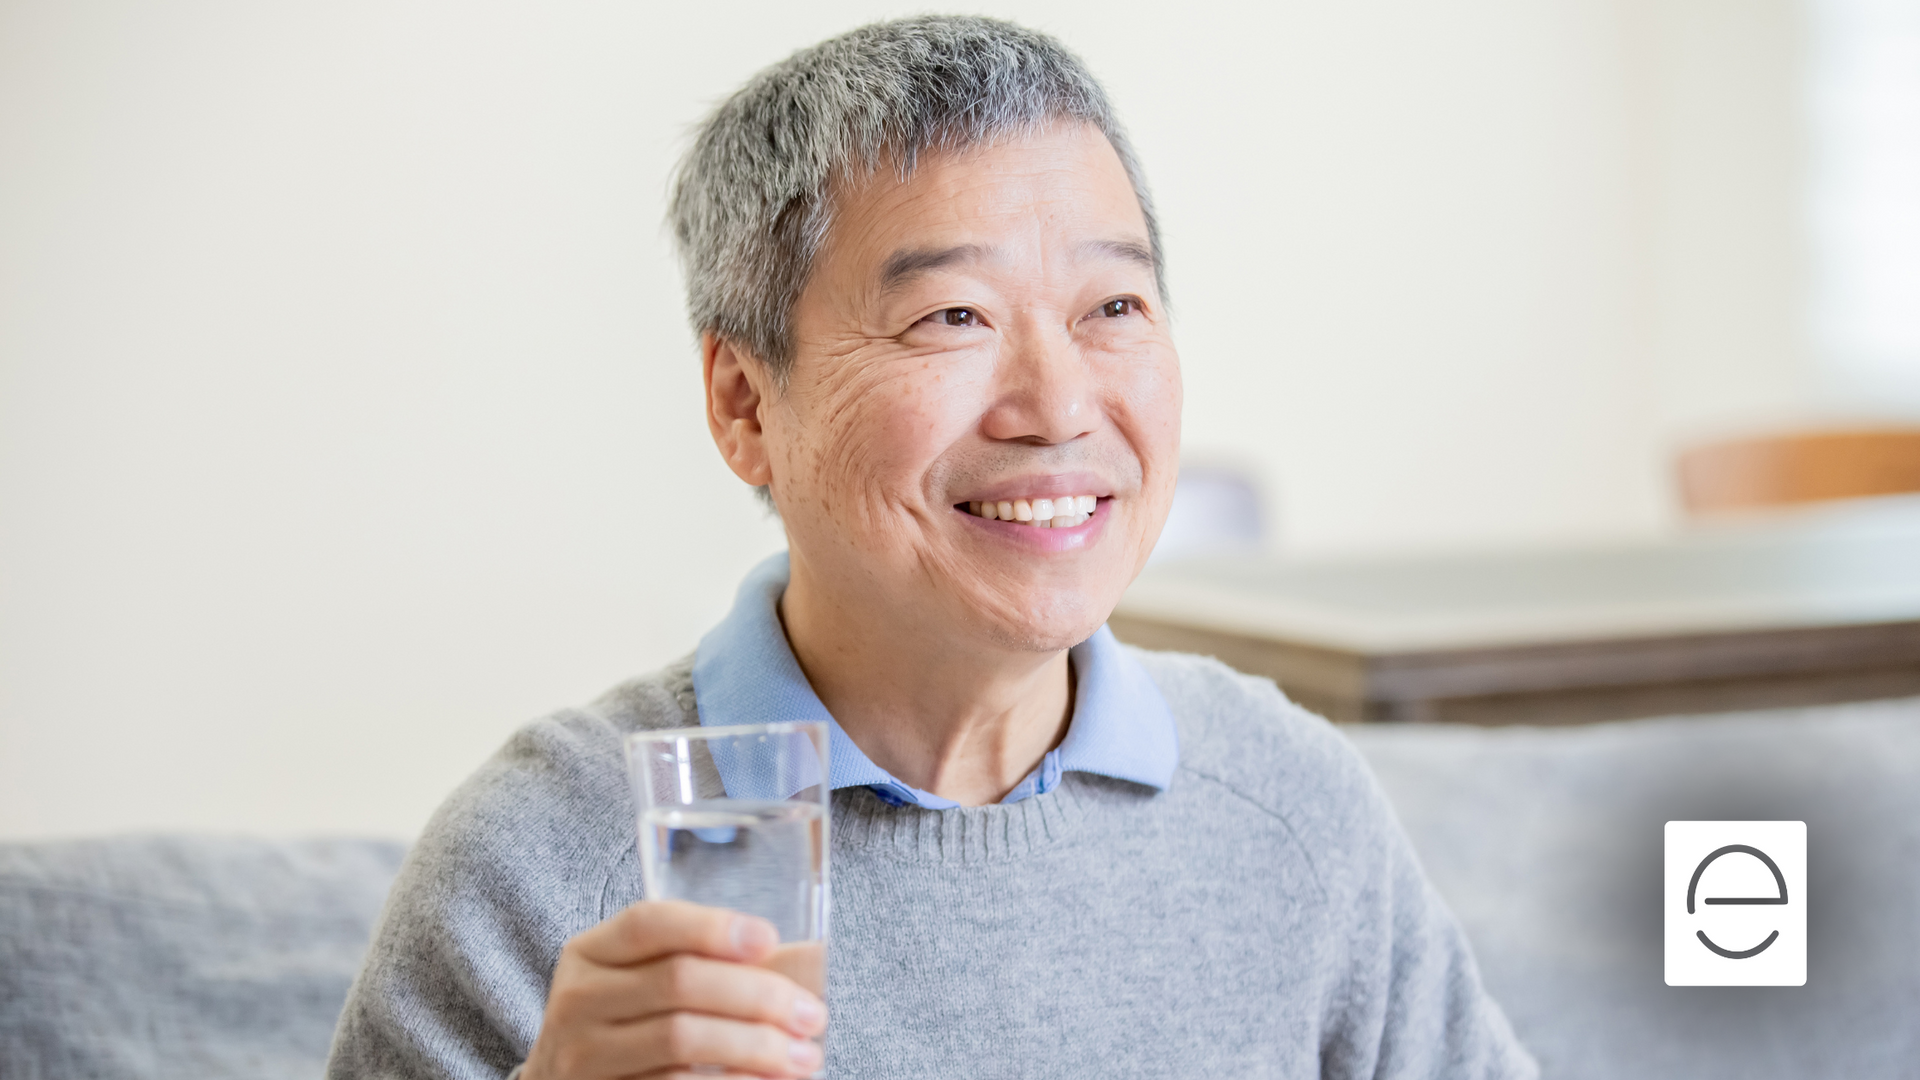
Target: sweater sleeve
x=517 y=861
x=1402 y=998
x=1413 y=1007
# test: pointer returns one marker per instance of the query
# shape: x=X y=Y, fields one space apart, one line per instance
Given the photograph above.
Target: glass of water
x=736 y=817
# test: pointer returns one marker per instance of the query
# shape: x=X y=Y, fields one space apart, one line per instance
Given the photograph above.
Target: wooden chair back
x=1809 y=467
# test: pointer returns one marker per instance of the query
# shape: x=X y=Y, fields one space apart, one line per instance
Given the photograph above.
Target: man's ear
x=737 y=389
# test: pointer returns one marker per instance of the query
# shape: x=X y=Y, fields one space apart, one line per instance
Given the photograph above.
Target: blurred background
x=349 y=418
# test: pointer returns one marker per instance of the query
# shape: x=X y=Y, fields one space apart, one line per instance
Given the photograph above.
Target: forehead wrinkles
x=1005 y=205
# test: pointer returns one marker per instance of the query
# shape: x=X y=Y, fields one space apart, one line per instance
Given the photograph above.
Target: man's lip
x=1041 y=486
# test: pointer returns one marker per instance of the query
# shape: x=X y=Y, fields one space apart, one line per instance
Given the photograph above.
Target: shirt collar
x=744 y=673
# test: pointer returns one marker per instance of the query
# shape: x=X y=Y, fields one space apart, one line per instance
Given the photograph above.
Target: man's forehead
x=946 y=208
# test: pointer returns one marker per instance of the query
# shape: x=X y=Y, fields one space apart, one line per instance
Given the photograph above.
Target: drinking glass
x=736 y=817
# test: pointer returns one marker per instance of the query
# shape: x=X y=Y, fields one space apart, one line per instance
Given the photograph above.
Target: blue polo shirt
x=744 y=673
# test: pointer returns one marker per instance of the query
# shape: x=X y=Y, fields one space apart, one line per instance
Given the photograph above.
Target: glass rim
x=776 y=727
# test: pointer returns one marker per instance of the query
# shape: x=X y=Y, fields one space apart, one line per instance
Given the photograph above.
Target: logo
x=1736 y=903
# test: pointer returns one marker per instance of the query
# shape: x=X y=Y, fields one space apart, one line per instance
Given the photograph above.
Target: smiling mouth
x=1061 y=513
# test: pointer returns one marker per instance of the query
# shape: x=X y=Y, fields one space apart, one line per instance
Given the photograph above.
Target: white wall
x=348 y=418
x=1726 y=163
x=1863 y=101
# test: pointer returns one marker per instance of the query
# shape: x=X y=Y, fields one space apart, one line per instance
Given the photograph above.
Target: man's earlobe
x=736 y=384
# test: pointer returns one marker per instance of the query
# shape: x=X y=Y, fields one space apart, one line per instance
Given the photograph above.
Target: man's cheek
x=901 y=432
x=874 y=457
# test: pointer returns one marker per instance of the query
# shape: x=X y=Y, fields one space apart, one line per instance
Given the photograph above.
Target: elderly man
x=927 y=280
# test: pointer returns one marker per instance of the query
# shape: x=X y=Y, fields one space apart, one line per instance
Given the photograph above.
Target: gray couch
x=1547 y=843
x=207 y=958
x=181 y=957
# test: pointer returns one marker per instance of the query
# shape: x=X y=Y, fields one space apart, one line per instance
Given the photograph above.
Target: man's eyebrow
x=904 y=266
x=1132 y=251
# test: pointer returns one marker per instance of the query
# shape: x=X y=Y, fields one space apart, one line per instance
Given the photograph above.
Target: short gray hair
x=750 y=203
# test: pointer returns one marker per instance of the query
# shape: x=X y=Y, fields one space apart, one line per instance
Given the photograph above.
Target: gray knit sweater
x=1261 y=917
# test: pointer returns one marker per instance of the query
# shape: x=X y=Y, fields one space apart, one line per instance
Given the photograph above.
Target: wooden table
x=1822 y=606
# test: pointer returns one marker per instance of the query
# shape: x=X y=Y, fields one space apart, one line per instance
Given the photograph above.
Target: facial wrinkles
x=1136 y=429
x=971 y=466
x=868 y=401
x=1020 y=209
x=865 y=373
x=860 y=480
x=861 y=421
x=890 y=427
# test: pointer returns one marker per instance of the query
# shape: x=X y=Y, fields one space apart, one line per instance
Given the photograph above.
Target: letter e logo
x=1736 y=903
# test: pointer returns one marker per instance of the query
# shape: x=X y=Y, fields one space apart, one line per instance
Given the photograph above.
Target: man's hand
x=666 y=986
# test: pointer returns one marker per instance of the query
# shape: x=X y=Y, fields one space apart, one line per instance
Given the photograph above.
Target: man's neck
x=964 y=721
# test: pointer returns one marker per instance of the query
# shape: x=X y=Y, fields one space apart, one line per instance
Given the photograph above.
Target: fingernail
x=805 y=1054
x=808 y=1012
x=752 y=935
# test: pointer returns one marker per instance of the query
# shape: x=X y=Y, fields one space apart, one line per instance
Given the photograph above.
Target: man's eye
x=1115 y=309
x=955 y=316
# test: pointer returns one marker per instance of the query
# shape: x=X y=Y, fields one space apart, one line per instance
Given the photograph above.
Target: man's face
x=988 y=331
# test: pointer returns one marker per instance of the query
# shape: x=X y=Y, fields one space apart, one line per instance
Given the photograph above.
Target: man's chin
x=1045 y=635
x=1038 y=616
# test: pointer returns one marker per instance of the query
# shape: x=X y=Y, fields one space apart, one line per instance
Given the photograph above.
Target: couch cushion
x=181 y=957
x=1547 y=842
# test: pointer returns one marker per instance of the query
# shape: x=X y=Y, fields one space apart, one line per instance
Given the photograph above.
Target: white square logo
x=1736 y=903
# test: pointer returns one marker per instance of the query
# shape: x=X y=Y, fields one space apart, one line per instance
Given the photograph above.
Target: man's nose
x=1044 y=390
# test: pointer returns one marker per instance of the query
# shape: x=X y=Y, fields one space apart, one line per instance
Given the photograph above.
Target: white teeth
x=1060 y=513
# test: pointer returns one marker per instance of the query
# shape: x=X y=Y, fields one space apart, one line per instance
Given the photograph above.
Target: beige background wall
x=348 y=418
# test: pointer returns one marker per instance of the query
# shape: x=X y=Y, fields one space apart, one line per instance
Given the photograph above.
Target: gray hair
x=750 y=203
